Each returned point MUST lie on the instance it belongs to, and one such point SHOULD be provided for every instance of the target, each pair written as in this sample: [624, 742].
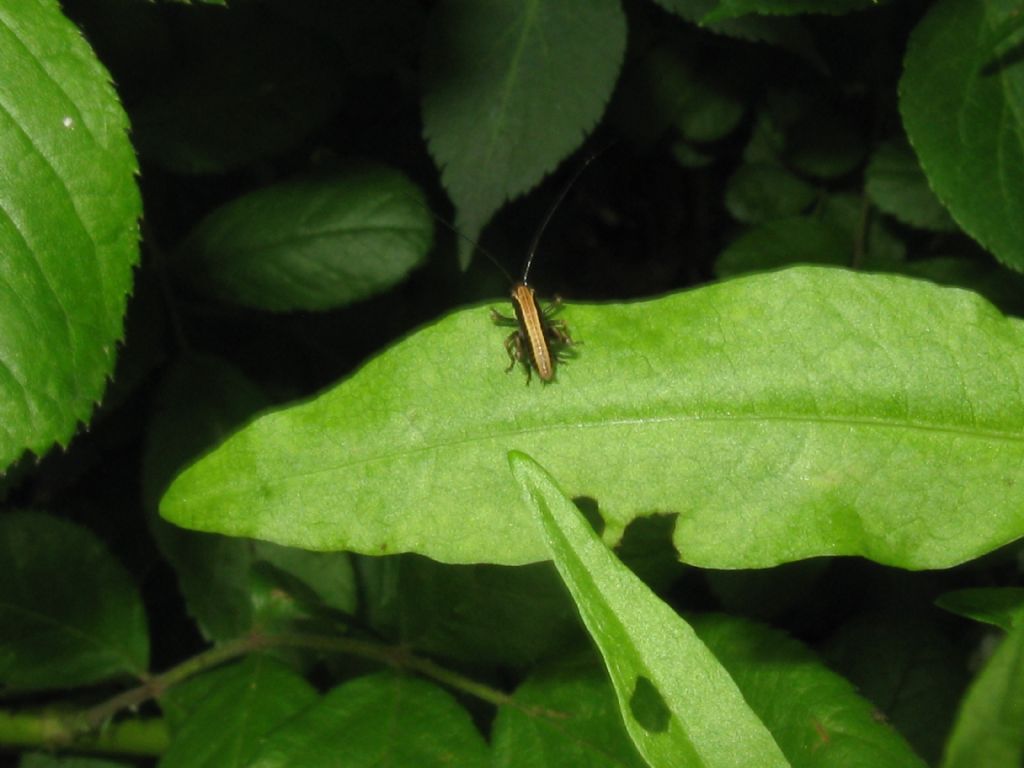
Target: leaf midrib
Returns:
[844, 421]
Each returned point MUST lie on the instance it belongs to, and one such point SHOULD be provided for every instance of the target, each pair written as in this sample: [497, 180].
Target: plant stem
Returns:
[91, 730]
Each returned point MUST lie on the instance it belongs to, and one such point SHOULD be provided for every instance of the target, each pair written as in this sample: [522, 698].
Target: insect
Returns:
[539, 341]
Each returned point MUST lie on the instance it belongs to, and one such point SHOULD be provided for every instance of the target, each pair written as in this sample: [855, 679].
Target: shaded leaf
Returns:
[312, 244]
[907, 666]
[897, 185]
[759, 192]
[227, 101]
[382, 719]
[730, 9]
[68, 228]
[965, 120]
[814, 714]
[512, 87]
[566, 716]
[987, 729]
[1000, 606]
[69, 613]
[220, 718]
[679, 704]
[852, 413]
[480, 614]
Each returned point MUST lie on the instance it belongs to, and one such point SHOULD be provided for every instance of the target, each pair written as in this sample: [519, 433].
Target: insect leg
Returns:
[499, 319]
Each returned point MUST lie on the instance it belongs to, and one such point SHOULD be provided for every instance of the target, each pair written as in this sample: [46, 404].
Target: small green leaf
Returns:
[851, 413]
[220, 719]
[785, 33]
[964, 114]
[1002, 607]
[908, 666]
[382, 719]
[200, 400]
[731, 9]
[512, 87]
[814, 714]
[988, 727]
[312, 244]
[69, 613]
[782, 243]
[759, 192]
[897, 185]
[679, 704]
[68, 228]
[566, 716]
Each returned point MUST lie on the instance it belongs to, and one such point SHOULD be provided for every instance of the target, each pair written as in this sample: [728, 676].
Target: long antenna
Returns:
[551, 212]
[467, 238]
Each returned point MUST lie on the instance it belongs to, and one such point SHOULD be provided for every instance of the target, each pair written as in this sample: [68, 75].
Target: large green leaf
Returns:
[68, 228]
[963, 108]
[382, 719]
[316, 243]
[511, 88]
[811, 411]
[679, 704]
[69, 613]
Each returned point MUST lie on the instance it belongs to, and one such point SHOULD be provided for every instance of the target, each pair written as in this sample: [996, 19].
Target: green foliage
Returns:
[337, 239]
[69, 613]
[672, 691]
[493, 69]
[298, 483]
[963, 107]
[801, 379]
[68, 211]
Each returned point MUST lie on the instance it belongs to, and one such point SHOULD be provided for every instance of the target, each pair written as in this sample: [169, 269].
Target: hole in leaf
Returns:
[587, 505]
[648, 707]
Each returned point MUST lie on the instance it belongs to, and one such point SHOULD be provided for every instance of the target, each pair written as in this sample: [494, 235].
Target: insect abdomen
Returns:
[531, 325]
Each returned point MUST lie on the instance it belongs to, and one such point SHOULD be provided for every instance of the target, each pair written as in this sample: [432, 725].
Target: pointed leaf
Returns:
[963, 109]
[805, 412]
[566, 716]
[512, 87]
[68, 228]
[679, 704]
[69, 613]
[1002, 607]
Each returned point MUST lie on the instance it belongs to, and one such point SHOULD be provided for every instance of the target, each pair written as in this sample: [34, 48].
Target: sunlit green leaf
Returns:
[850, 413]
[68, 228]
[680, 706]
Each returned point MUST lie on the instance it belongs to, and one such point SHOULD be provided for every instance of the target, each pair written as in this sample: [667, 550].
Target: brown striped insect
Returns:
[539, 341]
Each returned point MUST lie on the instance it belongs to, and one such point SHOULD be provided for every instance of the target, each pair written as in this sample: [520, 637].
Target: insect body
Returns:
[538, 340]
